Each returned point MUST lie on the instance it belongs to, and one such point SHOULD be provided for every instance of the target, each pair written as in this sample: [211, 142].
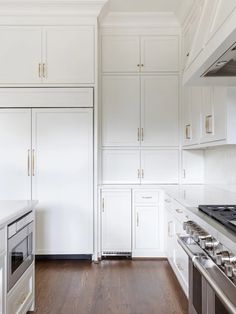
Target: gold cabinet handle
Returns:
[207, 124]
[39, 70]
[187, 132]
[28, 163]
[138, 134]
[103, 205]
[138, 65]
[142, 134]
[33, 163]
[142, 65]
[179, 211]
[44, 70]
[142, 173]
[137, 220]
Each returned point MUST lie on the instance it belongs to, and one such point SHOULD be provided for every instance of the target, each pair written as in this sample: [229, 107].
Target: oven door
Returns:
[20, 254]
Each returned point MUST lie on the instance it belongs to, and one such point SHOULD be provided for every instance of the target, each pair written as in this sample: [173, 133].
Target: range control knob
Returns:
[209, 243]
[230, 269]
[202, 235]
[225, 257]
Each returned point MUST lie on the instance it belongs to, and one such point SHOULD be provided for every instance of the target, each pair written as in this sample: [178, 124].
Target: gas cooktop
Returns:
[225, 214]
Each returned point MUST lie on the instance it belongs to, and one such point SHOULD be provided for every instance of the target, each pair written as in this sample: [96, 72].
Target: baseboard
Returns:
[86, 257]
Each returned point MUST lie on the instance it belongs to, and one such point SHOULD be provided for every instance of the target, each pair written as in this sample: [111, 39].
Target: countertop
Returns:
[12, 210]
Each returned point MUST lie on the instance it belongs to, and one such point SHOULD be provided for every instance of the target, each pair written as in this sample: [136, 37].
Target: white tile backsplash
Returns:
[220, 166]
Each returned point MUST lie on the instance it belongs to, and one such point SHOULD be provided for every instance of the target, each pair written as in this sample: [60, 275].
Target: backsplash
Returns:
[220, 166]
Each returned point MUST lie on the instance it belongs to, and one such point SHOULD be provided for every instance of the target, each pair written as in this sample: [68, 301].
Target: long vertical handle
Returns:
[137, 220]
[39, 70]
[138, 134]
[44, 70]
[103, 205]
[142, 134]
[33, 163]
[28, 163]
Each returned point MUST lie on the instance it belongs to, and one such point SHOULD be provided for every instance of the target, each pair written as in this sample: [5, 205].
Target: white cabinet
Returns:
[159, 117]
[133, 54]
[132, 166]
[120, 53]
[20, 55]
[69, 55]
[62, 179]
[2, 283]
[120, 111]
[169, 236]
[146, 228]
[15, 143]
[121, 166]
[50, 55]
[159, 54]
[191, 113]
[116, 221]
[221, 12]
[159, 166]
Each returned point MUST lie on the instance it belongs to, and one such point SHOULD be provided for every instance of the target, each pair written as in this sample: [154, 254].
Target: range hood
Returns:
[225, 66]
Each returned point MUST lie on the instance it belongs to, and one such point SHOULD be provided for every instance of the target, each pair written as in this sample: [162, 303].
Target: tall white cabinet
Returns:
[51, 156]
[139, 108]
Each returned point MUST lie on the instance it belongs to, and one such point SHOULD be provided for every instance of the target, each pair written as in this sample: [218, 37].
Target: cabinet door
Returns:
[159, 111]
[146, 228]
[121, 166]
[160, 166]
[207, 115]
[20, 55]
[121, 111]
[169, 236]
[196, 100]
[69, 55]
[186, 116]
[15, 143]
[2, 284]
[220, 113]
[63, 180]
[116, 221]
[120, 53]
[222, 11]
[159, 53]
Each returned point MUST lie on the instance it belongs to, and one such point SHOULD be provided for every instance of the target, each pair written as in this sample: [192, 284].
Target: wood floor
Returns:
[111, 287]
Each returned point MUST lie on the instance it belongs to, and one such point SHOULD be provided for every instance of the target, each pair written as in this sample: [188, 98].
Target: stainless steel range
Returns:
[212, 272]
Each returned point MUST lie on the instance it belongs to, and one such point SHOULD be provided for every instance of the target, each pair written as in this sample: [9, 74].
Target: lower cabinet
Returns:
[2, 283]
[116, 222]
[175, 215]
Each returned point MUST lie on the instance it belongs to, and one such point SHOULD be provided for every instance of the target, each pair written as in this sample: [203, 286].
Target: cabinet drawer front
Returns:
[179, 212]
[2, 240]
[21, 295]
[146, 197]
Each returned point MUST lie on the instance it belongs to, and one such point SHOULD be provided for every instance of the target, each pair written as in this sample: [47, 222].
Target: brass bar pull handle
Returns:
[208, 124]
[142, 134]
[138, 134]
[187, 132]
[44, 70]
[39, 70]
[137, 220]
[103, 205]
[33, 163]
[28, 163]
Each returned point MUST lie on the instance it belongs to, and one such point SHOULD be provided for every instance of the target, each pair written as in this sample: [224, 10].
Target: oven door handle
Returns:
[219, 291]
[185, 247]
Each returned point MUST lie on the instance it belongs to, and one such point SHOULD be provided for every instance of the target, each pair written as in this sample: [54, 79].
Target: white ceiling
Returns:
[144, 5]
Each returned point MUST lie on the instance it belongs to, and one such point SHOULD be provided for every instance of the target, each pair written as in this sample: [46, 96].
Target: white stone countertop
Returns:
[12, 210]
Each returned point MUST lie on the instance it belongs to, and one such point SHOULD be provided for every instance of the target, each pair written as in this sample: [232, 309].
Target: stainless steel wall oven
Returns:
[20, 248]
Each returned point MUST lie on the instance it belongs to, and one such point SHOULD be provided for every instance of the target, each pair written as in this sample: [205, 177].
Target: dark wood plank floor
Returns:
[111, 287]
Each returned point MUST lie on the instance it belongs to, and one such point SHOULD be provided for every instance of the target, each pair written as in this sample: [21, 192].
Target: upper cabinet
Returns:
[159, 53]
[20, 55]
[47, 55]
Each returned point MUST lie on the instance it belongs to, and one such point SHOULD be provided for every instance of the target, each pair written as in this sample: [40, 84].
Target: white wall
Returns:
[220, 166]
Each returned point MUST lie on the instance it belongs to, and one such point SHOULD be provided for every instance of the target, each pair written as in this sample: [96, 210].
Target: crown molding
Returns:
[51, 7]
[137, 19]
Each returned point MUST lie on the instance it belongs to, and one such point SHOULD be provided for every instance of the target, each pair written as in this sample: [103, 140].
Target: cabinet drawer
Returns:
[20, 297]
[141, 197]
[2, 240]
[179, 212]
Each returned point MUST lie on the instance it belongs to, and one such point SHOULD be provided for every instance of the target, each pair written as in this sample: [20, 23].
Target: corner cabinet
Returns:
[47, 55]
